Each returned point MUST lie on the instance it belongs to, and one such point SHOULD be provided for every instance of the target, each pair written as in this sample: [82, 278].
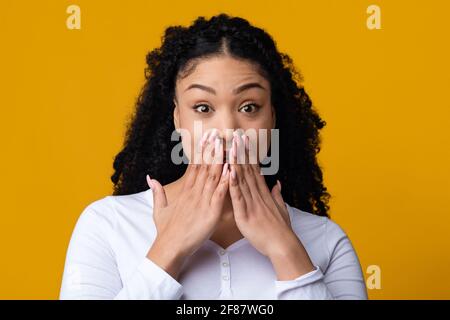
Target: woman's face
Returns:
[226, 94]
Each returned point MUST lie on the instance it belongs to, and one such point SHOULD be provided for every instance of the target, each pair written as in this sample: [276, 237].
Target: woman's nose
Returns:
[225, 128]
[226, 136]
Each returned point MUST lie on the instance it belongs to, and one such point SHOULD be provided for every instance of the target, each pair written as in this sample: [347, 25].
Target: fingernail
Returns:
[204, 139]
[279, 184]
[217, 142]
[233, 173]
[153, 184]
[213, 135]
[245, 138]
[149, 181]
[201, 142]
[236, 135]
[216, 147]
[240, 156]
[236, 141]
[233, 148]
[225, 168]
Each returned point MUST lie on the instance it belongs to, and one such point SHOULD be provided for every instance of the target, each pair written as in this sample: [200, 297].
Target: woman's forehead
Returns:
[221, 72]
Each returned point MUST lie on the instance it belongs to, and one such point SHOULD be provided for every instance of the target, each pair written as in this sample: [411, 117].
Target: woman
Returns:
[217, 228]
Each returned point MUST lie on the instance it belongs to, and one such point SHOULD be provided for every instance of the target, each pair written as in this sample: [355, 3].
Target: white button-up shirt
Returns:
[106, 259]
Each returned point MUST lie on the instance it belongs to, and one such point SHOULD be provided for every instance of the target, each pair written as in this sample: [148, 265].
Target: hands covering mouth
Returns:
[260, 213]
[214, 145]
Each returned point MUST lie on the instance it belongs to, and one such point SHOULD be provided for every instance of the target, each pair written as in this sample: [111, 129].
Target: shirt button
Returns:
[225, 278]
[225, 264]
[222, 252]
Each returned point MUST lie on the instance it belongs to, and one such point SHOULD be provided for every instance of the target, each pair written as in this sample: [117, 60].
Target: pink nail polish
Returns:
[217, 142]
[212, 136]
[233, 148]
[202, 142]
[237, 138]
[233, 173]
[206, 137]
[225, 168]
[245, 141]
[149, 182]
[216, 148]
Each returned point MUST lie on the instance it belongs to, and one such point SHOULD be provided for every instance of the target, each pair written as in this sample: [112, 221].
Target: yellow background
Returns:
[66, 94]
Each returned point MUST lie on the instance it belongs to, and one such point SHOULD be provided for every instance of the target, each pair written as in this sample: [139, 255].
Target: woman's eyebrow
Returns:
[235, 91]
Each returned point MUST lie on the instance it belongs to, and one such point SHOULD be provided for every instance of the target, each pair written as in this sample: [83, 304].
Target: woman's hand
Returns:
[185, 224]
[262, 216]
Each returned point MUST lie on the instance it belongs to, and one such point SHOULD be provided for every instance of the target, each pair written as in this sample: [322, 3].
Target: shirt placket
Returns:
[225, 274]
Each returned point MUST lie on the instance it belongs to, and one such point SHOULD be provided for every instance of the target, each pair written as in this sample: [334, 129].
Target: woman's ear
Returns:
[176, 112]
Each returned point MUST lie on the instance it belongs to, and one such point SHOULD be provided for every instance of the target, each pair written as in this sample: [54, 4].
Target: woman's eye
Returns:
[201, 108]
[251, 107]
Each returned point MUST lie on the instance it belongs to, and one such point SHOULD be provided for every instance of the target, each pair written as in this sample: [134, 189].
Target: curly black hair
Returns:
[147, 146]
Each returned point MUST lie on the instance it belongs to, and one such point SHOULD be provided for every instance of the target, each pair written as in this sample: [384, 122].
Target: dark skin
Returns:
[224, 109]
[224, 207]
[258, 213]
[227, 231]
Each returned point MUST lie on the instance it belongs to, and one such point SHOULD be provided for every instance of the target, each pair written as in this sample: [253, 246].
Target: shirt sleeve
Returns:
[91, 270]
[342, 279]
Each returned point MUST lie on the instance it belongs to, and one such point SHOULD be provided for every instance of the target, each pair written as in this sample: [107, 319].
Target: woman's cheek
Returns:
[188, 145]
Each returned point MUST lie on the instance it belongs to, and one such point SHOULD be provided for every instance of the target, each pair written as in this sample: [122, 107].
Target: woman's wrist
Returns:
[291, 261]
[166, 257]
